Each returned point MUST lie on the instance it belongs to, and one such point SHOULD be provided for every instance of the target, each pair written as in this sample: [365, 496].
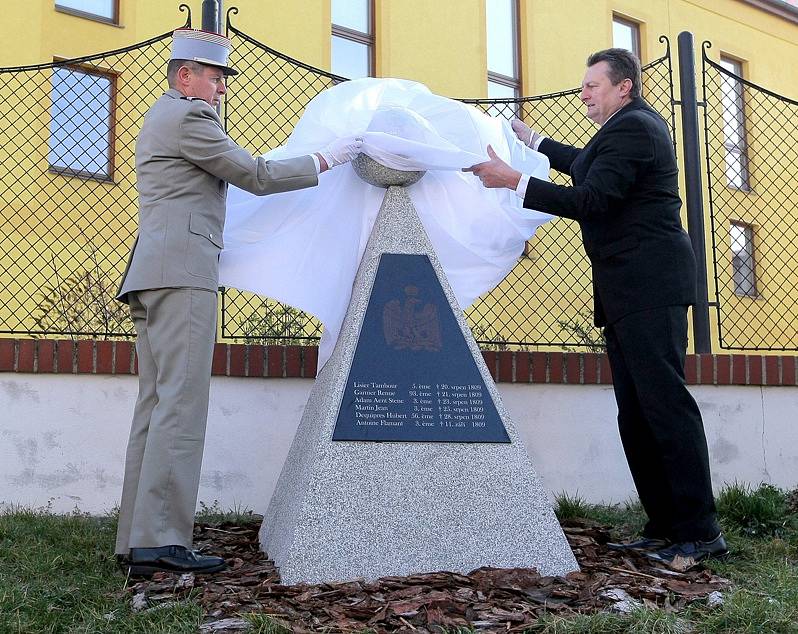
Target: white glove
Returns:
[525, 134]
[341, 150]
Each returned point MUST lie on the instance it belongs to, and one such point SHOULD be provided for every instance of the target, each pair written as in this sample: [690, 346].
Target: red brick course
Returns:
[310, 361]
[219, 362]
[606, 372]
[85, 356]
[104, 356]
[706, 369]
[539, 363]
[788, 370]
[238, 361]
[591, 368]
[256, 361]
[66, 357]
[556, 374]
[522, 367]
[506, 366]
[7, 350]
[123, 357]
[772, 371]
[293, 361]
[45, 356]
[48, 356]
[573, 369]
[26, 355]
[274, 361]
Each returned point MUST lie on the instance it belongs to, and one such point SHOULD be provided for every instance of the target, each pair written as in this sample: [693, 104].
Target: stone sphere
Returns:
[378, 175]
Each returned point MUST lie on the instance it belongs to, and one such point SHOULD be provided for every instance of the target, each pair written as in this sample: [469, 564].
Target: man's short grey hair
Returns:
[623, 65]
[174, 65]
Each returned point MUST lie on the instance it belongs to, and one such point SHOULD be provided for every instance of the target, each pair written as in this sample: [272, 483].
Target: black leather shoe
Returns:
[697, 551]
[644, 544]
[143, 562]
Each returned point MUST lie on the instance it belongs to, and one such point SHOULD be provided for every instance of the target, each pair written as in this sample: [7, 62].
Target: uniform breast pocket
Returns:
[202, 250]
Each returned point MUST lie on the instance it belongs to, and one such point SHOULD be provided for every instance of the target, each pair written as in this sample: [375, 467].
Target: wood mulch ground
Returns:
[487, 599]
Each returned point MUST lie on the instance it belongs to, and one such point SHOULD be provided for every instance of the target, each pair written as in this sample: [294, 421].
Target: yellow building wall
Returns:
[442, 44]
[768, 48]
[439, 43]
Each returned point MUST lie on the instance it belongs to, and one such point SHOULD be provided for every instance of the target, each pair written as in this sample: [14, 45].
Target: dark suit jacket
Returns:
[625, 195]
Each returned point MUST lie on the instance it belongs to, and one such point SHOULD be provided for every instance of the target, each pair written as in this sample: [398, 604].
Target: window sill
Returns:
[89, 16]
[743, 190]
[56, 170]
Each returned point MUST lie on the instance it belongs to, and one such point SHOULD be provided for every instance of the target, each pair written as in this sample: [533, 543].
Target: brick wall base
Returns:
[64, 356]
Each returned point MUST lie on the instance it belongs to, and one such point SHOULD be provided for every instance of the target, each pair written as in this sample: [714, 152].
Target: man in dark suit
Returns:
[626, 200]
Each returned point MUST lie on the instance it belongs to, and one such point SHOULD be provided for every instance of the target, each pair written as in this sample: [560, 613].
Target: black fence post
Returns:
[212, 16]
[693, 190]
[212, 21]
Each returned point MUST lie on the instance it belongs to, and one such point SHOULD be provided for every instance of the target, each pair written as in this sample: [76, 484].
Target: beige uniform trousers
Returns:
[176, 329]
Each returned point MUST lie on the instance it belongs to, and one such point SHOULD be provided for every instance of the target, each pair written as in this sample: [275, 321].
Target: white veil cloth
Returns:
[304, 247]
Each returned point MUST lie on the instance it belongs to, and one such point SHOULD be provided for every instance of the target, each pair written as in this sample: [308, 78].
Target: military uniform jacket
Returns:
[184, 161]
[625, 196]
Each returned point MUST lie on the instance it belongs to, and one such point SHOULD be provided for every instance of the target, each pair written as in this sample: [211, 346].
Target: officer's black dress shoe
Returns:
[644, 544]
[697, 551]
[143, 562]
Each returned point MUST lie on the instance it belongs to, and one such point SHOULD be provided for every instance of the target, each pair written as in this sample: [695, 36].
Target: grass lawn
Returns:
[57, 574]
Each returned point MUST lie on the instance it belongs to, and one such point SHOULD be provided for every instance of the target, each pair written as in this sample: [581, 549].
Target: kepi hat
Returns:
[203, 47]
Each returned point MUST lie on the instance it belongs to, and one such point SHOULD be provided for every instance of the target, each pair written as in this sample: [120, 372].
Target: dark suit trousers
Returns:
[660, 424]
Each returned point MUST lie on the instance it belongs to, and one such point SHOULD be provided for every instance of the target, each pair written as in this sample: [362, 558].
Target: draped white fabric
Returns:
[304, 247]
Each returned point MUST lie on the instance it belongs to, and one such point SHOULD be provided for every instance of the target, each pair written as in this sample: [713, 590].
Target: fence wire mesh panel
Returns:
[545, 300]
[68, 203]
[751, 137]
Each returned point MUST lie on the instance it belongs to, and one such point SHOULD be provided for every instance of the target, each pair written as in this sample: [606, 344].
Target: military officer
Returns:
[184, 161]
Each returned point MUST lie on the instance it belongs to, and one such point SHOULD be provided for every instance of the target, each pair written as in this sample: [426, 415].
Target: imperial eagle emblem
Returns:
[410, 326]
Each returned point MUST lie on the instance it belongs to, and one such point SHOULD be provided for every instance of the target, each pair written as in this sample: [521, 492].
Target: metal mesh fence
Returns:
[751, 137]
[68, 201]
[545, 300]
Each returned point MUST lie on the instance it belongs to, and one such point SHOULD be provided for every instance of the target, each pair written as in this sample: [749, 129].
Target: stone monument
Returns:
[405, 459]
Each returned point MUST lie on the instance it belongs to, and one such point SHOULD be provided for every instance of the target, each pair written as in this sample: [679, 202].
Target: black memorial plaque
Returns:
[413, 378]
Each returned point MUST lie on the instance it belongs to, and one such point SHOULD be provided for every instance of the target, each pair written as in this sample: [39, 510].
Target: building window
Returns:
[82, 122]
[734, 140]
[626, 34]
[352, 38]
[104, 10]
[504, 69]
[743, 270]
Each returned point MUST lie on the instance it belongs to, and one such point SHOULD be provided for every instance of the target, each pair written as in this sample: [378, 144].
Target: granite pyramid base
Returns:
[359, 509]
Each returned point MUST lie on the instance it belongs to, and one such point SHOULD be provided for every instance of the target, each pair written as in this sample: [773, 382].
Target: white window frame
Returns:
[510, 81]
[62, 7]
[743, 259]
[634, 27]
[360, 37]
[65, 145]
[733, 123]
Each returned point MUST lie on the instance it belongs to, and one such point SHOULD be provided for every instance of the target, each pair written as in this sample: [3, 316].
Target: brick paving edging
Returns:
[64, 356]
